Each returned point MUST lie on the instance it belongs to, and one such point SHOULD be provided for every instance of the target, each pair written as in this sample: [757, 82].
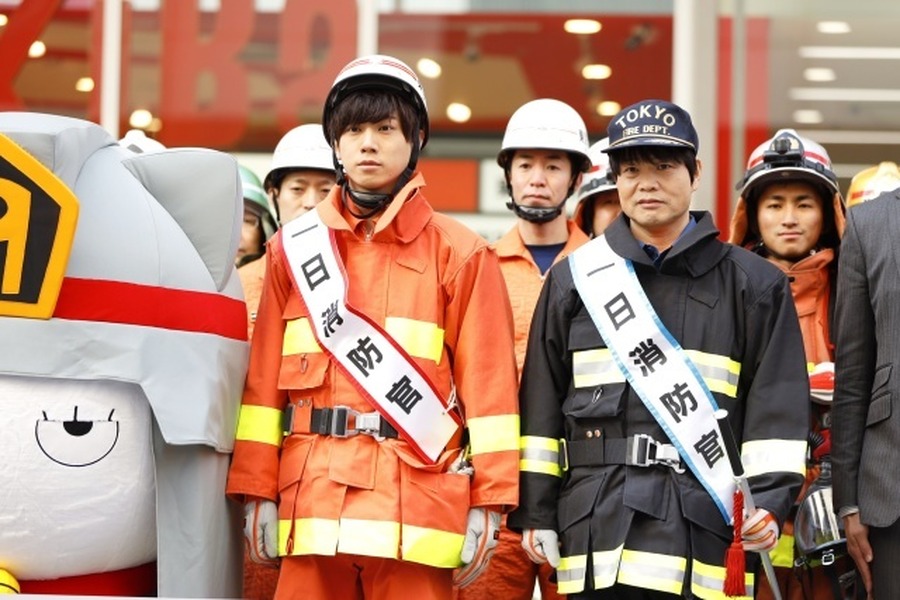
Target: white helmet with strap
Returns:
[384, 73]
[872, 182]
[303, 147]
[545, 124]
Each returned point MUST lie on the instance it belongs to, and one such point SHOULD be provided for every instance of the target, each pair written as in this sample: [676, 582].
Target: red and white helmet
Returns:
[872, 182]
[377, 71]
[788, 155]
[547, 124]
[821, 383]
[598, 178]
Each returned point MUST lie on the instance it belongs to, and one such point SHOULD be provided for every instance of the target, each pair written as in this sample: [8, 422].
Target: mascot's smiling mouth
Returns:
[76, 443]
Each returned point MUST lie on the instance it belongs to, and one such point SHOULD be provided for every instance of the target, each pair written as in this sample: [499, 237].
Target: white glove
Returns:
[760, 531]
[541, 546]
[482, 535]
[261, 531]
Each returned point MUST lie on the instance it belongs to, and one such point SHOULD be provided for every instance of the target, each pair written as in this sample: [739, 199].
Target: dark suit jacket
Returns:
[866, 426]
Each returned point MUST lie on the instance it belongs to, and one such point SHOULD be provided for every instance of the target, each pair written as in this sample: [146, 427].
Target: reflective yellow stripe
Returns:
[311, 536]
[299, 338]
[783, 553]
[774, 456]
[651, 570]
[8, 583]
[259, 424]
[597, 367]
[708, 581]
[606, 567]
[432, 546]
[493, 434]
[419, 338]
[720, 373]
[368, 537]
[591, 368]
[570, 574]
[539, 455]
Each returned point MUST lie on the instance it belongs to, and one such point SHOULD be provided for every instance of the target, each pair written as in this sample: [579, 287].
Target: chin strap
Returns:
[372, 202]
[537, 214]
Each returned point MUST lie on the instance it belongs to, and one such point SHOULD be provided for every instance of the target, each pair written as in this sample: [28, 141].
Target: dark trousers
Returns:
[622, 592]
[885, 542]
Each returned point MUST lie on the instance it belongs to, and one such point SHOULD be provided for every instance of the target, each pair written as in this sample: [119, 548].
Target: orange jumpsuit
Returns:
[511, 574]
[251, 276]
[436, 288]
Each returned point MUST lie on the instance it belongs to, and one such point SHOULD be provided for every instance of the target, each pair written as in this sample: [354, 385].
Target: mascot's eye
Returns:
[74, 442]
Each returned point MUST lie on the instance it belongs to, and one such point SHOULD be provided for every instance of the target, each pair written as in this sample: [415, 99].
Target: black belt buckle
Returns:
[563, 457]
[287, 420]
[340, 422]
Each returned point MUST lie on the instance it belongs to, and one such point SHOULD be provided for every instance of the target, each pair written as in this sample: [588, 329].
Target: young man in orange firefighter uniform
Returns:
[543, 156]
[380, 406]
[791, 212]
[638, 340]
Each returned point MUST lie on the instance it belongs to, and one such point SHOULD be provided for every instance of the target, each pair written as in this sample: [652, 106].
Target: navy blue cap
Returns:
[652, 123]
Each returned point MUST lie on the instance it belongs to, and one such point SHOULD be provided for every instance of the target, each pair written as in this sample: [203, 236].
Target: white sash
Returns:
[383, 372]
[655, 365]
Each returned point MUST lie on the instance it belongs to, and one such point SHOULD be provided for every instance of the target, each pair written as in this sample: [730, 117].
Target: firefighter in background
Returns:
[259, 219]
[543, 156]
[377, 442]
[622, 460]
[598, 199]
[872, 182]
[301, 175]
[122, 358]
[791, 212]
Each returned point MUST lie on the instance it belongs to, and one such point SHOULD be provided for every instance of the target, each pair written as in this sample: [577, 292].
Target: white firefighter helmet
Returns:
[547, 124]
[788, 155]
[377, 71]
[598, 178]
[872, 182]
[303, 147]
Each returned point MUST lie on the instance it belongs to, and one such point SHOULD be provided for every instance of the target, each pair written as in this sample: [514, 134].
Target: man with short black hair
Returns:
[637, 340]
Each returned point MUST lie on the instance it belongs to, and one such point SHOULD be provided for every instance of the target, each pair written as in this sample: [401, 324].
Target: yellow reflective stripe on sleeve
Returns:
[782, 554]
[774, 456]
[708, 581]
[591, 368]
[651, 570]
[570, 574]
[605, 566]
[539, 455]
[431, 547]
[493, 434]
[299, 338]
[259, 424]
[720, 373]
[419, 338]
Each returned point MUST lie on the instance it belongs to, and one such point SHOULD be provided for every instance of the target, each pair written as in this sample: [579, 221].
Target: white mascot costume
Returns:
[122, 358]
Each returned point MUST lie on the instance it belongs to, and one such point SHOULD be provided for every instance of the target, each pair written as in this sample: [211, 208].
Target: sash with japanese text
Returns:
[653, 362]
[382, 371]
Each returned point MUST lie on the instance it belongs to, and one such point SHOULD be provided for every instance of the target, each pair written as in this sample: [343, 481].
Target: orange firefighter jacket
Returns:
[251, 276]
[436, 288]
[524, 280]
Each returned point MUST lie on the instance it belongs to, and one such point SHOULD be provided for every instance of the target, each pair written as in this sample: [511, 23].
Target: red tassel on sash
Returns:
[735, 561]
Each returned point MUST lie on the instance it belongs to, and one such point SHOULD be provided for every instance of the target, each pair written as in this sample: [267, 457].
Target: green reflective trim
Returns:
[259, 424]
